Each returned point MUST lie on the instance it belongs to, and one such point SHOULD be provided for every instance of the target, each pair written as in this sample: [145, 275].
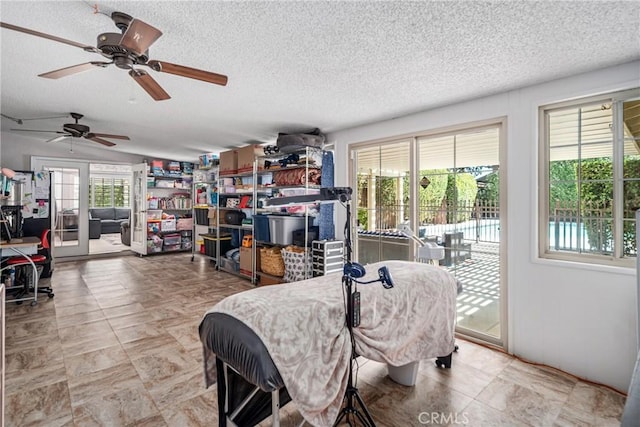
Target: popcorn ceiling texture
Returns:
[302, 64]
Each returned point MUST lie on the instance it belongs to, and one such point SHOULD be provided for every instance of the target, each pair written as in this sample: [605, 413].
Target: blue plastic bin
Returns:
[261, 228]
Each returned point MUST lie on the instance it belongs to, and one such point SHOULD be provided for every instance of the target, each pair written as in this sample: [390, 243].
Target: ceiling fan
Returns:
[76, 130]
[126, 50]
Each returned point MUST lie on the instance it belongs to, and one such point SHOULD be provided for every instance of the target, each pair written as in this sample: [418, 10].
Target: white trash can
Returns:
[405, 374]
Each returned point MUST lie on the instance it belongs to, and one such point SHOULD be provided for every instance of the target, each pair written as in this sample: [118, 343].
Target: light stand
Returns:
[353, 407]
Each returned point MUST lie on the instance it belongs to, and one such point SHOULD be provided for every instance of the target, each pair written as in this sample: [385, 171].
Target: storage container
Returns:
[154, 245]
[261, 228]
[172, 239]
[281, 228]
[154, 214]
[169, 248]
[201, 216]
[297, 265]
[271, 261]
[210, 242]
[168, 225]
[184, 224]
[234, 217]
[299, 236]
[328, 257]
[229, 162]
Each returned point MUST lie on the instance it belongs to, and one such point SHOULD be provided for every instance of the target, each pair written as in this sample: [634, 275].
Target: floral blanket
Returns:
[302, 324]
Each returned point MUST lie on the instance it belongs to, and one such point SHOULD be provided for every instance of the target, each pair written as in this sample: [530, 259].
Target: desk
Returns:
[24, 246]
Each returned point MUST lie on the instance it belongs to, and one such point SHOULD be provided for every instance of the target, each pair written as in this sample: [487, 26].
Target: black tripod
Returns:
[352, 396]
[353, 405]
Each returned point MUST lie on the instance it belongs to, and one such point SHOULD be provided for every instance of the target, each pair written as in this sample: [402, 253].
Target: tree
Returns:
[462, 189]
[490, 191]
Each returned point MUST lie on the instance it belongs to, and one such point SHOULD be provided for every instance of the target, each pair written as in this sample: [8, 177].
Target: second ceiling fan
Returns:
[77, 130]
[126, 50]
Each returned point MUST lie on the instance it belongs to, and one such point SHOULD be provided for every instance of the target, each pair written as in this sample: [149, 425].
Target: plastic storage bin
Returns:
[281, 228]
[172, 239]
[261, 230]
[210, 242]
[202, 216]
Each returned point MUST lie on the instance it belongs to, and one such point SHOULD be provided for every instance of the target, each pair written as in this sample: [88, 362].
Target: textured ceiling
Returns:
[297, 65]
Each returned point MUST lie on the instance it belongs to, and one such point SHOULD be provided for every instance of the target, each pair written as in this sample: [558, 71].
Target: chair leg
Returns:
[41, 289]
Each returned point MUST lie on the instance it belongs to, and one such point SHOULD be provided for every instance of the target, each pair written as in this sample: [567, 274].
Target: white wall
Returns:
[16, 151]
[577, 318]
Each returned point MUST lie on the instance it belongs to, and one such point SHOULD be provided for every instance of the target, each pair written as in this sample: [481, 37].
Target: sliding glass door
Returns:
[444, 188]
[382, 202]
[459, 206]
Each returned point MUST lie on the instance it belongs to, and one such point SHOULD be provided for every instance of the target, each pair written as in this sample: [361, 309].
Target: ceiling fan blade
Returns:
[33, 130]
[192, 73]
[149, 84]
[100, 141]
[107, 135]
[74, 69]
[48, 36]
[139, 36]
[59, 138]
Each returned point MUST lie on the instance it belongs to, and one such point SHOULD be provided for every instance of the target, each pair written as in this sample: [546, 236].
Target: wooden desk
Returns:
[23, 246]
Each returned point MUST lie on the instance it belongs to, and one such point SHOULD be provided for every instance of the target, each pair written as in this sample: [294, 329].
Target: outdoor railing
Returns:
[478, 221]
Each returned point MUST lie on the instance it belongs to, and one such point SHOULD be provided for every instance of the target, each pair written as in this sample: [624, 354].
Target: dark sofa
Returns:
[110, 218]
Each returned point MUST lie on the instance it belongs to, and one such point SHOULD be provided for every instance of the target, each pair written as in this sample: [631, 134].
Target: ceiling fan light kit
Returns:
[127, 50]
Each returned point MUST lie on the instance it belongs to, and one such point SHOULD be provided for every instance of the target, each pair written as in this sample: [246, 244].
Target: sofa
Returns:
[110, 218]
[125, 233]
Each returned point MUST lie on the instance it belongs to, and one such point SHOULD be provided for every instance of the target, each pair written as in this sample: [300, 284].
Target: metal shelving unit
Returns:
[204, 179]
[273, 190]
[151, 233]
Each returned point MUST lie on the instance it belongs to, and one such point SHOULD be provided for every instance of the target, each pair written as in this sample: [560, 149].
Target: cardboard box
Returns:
[229, 162]
[246, 157]
[246, 261]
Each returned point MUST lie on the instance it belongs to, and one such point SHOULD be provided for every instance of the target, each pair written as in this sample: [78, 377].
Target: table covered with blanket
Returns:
[302, 326]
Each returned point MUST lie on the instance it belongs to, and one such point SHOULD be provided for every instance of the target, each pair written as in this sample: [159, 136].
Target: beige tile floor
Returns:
[118, 346]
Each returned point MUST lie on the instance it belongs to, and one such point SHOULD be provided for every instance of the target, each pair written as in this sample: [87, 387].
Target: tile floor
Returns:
[118, 346]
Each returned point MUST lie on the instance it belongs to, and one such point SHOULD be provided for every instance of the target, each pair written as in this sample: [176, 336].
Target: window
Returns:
[590, 178]
[109, 185]
[109, 192]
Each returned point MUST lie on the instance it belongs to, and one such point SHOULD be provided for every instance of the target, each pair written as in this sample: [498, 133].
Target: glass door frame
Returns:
[138, 216]
[82, 166]
[501, 124]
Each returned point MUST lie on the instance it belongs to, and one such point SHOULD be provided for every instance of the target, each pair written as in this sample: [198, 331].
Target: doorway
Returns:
[70, 188]
[445, 186]
[85, 194]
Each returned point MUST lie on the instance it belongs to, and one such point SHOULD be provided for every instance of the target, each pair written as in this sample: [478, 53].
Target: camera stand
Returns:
[353, 405]
[353, 409]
